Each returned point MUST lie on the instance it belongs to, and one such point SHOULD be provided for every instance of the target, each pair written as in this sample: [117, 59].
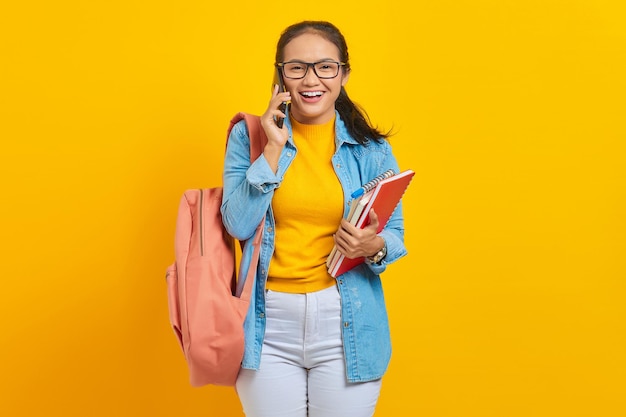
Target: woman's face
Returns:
[312, 98]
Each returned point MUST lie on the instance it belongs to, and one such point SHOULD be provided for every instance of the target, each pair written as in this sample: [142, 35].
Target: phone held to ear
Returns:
[278, 79]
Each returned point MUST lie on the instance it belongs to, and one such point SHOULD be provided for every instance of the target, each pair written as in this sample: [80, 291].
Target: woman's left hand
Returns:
[354, 242]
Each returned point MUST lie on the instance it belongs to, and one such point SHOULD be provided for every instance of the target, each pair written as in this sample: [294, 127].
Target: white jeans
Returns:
[302, 371]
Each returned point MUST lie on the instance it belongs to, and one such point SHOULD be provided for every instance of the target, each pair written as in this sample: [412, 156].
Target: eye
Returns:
[326, 67]
[295, 67]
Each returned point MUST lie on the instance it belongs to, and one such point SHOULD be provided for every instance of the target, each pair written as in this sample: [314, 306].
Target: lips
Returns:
[311, 96]
[311, 93]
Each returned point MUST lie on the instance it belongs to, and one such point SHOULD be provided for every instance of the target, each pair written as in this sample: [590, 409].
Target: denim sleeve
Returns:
[393, 233]
[248, 186]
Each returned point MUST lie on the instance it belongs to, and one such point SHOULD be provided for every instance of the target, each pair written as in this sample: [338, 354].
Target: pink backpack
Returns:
[206, 314]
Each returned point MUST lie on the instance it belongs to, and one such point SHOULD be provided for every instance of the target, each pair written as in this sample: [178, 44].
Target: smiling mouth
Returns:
[311, 94]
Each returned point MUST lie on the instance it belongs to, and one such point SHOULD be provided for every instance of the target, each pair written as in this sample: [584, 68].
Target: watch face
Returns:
[379, 256]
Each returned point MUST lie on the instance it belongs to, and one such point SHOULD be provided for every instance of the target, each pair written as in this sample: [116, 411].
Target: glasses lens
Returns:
[294, 69]
[327, 69]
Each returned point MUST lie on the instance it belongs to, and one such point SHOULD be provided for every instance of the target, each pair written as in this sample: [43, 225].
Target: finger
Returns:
[373, 219]
[278, 97]
[342, 241]
[348, 228]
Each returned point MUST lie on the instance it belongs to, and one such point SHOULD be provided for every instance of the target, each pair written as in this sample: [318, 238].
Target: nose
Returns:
[310, 77]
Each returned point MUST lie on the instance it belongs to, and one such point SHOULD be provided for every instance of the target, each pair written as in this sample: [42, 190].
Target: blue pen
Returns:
[371, 184]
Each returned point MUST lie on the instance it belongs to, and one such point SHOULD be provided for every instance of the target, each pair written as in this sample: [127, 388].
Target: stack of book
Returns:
[383, 195]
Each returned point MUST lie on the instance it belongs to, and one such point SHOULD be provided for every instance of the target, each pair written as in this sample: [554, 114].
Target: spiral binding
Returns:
[370, 185]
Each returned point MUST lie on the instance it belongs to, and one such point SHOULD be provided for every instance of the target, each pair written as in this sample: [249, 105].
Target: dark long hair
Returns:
[354, 116]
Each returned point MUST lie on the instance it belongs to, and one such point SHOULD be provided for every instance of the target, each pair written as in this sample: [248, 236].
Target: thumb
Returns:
[373, 220]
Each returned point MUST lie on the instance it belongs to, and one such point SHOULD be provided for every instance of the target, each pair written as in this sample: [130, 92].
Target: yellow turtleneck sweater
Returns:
[308, 207]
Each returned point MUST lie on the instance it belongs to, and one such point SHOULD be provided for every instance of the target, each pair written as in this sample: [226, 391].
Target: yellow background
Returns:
[511, 302]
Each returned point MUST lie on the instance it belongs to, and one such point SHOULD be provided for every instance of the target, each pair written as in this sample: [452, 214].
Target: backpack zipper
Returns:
[201, 226]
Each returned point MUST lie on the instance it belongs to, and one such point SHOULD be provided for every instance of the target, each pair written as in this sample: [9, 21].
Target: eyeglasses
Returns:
[296, 70]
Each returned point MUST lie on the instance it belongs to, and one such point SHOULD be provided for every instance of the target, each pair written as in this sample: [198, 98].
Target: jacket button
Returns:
[346, 324]
[262, 315]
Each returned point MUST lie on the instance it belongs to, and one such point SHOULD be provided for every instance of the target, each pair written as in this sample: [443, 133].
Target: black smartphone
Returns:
[278, 79]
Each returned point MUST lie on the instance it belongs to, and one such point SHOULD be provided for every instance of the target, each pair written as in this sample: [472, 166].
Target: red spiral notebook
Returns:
[383, 198]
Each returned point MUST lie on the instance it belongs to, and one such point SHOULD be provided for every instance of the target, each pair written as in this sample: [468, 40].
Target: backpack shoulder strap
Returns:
[258, 140]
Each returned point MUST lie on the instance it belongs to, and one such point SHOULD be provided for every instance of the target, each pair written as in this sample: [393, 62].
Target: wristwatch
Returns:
[378, 256]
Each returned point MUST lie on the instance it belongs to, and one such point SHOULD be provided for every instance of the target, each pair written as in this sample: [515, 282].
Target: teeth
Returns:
[311, 93]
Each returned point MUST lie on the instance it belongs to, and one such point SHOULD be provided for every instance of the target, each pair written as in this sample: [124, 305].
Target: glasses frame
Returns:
[281, 65]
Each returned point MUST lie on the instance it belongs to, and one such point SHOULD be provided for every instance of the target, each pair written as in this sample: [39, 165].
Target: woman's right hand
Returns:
[276, 137]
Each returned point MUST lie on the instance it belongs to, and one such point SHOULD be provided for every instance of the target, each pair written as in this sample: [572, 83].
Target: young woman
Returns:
[315, 345]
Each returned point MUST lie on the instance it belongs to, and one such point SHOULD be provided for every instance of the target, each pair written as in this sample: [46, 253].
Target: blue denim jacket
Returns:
[248, 191]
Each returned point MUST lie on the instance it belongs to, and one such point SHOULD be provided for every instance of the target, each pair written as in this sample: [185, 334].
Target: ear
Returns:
[345, 75]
